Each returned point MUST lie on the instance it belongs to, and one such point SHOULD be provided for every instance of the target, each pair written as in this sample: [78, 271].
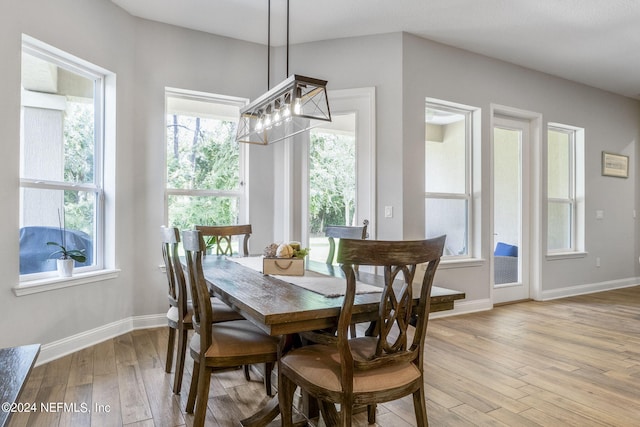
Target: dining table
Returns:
[281, 308]
[16, 364]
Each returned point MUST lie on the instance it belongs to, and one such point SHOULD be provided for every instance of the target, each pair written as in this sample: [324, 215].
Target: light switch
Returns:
[599, 214]
[388, 211]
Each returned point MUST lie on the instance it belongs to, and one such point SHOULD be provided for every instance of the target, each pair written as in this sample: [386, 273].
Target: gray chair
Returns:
[343, 232]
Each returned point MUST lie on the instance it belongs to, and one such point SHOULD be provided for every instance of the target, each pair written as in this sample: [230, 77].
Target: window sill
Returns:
[566, 255]
[460, 263]
[52, 283]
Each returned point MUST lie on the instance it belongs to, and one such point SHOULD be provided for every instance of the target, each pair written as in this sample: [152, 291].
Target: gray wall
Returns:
[148, 56]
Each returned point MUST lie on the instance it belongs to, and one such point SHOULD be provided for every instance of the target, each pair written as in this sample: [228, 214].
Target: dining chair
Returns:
[180, 313]
[371, 369]
[344, 232]
[218, 346]
[222, 236]
[333, 232]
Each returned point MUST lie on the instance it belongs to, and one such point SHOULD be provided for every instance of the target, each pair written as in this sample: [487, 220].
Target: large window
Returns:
[61, 172]
[332, 180]
[449, 176]
[205, 184]
[565, 189]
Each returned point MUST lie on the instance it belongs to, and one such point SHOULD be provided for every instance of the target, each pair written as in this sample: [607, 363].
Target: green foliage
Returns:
[300, 253]
[75, 254]
[79, 206]
[332, 180]
[202, 155]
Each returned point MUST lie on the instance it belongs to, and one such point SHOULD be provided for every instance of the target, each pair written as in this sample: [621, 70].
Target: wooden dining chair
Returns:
[370, 369]
[180, 313]
[221, 345]
[223, 235]
[333, 232]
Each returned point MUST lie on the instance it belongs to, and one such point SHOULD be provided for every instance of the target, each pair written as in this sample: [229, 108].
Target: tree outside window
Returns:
[204, 173]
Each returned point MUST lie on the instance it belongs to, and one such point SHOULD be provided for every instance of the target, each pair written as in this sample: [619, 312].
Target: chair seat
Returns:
[320, 365]
[221, 313]
[235, 339]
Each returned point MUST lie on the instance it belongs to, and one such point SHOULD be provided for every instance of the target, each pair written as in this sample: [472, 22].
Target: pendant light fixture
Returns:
[294, 106]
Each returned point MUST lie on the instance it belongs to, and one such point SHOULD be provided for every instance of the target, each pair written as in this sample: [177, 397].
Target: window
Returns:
[205, 165]
[449, 130]
[332, 180]
[61, 171]
[565, 189]
[338, 169]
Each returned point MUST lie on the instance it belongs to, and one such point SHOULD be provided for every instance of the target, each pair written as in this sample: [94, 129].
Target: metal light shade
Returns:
[292, 107]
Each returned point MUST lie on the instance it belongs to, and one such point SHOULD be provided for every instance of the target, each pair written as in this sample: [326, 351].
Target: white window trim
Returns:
[577, 140]
[472, 184]
[242, 191]
[41, 282]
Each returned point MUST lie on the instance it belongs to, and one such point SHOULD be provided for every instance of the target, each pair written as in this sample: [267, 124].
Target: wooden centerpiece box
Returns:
[283, 266]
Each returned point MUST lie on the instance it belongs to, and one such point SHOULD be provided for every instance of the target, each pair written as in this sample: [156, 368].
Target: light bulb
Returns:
[277, 117]
[297, 107]
[286, 111]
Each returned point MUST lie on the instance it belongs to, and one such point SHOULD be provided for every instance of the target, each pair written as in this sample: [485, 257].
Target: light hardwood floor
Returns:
[568, 362]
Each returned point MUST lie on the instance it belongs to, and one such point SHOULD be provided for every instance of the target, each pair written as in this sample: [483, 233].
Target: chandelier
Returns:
[292, 107]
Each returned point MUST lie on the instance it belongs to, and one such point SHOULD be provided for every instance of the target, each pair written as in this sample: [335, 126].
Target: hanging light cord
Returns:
[268, 45]
[287, 38]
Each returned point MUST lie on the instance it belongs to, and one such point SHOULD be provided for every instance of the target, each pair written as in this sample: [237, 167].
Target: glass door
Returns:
[510, 209]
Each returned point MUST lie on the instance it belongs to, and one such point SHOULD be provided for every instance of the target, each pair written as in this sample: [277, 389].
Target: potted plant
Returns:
[68, 257]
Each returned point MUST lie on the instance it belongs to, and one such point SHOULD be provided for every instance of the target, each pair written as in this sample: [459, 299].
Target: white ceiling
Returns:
[595, 42]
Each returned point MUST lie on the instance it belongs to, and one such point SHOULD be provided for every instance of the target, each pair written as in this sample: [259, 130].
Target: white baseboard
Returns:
[464, 307]
[65, 346]
[588, 288]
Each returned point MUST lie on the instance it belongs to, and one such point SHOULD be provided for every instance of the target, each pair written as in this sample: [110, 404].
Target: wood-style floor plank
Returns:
[568, 362]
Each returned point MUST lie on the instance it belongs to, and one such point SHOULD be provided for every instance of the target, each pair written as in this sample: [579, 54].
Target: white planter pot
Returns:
[65, 267]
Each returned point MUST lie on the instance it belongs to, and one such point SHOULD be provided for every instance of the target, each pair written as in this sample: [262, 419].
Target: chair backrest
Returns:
[223, 235]
[173, 267]
[400, 260]
[194, 248]
[343, 232]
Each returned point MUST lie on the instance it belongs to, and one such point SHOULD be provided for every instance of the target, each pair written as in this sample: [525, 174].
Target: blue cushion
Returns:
[503, 249]
[35, 254]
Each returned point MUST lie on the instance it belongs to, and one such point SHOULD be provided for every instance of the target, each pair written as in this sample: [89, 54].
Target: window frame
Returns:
[576, 196]
[73, 64]
[242, 191]
[471, 194]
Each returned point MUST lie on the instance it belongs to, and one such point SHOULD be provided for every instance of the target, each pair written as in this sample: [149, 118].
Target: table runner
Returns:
[328, 286]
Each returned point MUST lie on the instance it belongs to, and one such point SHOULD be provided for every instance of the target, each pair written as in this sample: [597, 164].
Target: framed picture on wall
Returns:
[615, 165]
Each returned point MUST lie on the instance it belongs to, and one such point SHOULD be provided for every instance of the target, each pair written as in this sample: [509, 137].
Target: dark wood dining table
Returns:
[280, 308]
[16, 364]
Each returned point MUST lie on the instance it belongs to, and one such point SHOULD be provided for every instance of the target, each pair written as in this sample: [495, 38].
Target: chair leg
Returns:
[193, 390]
[329, 413]
[286, 389]
[204, 380]
[371, 413]
[182, 350]
[346, 413]
[352, 330]
[420, 408]
[268, 368]
[246, 373]
[170, 344]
